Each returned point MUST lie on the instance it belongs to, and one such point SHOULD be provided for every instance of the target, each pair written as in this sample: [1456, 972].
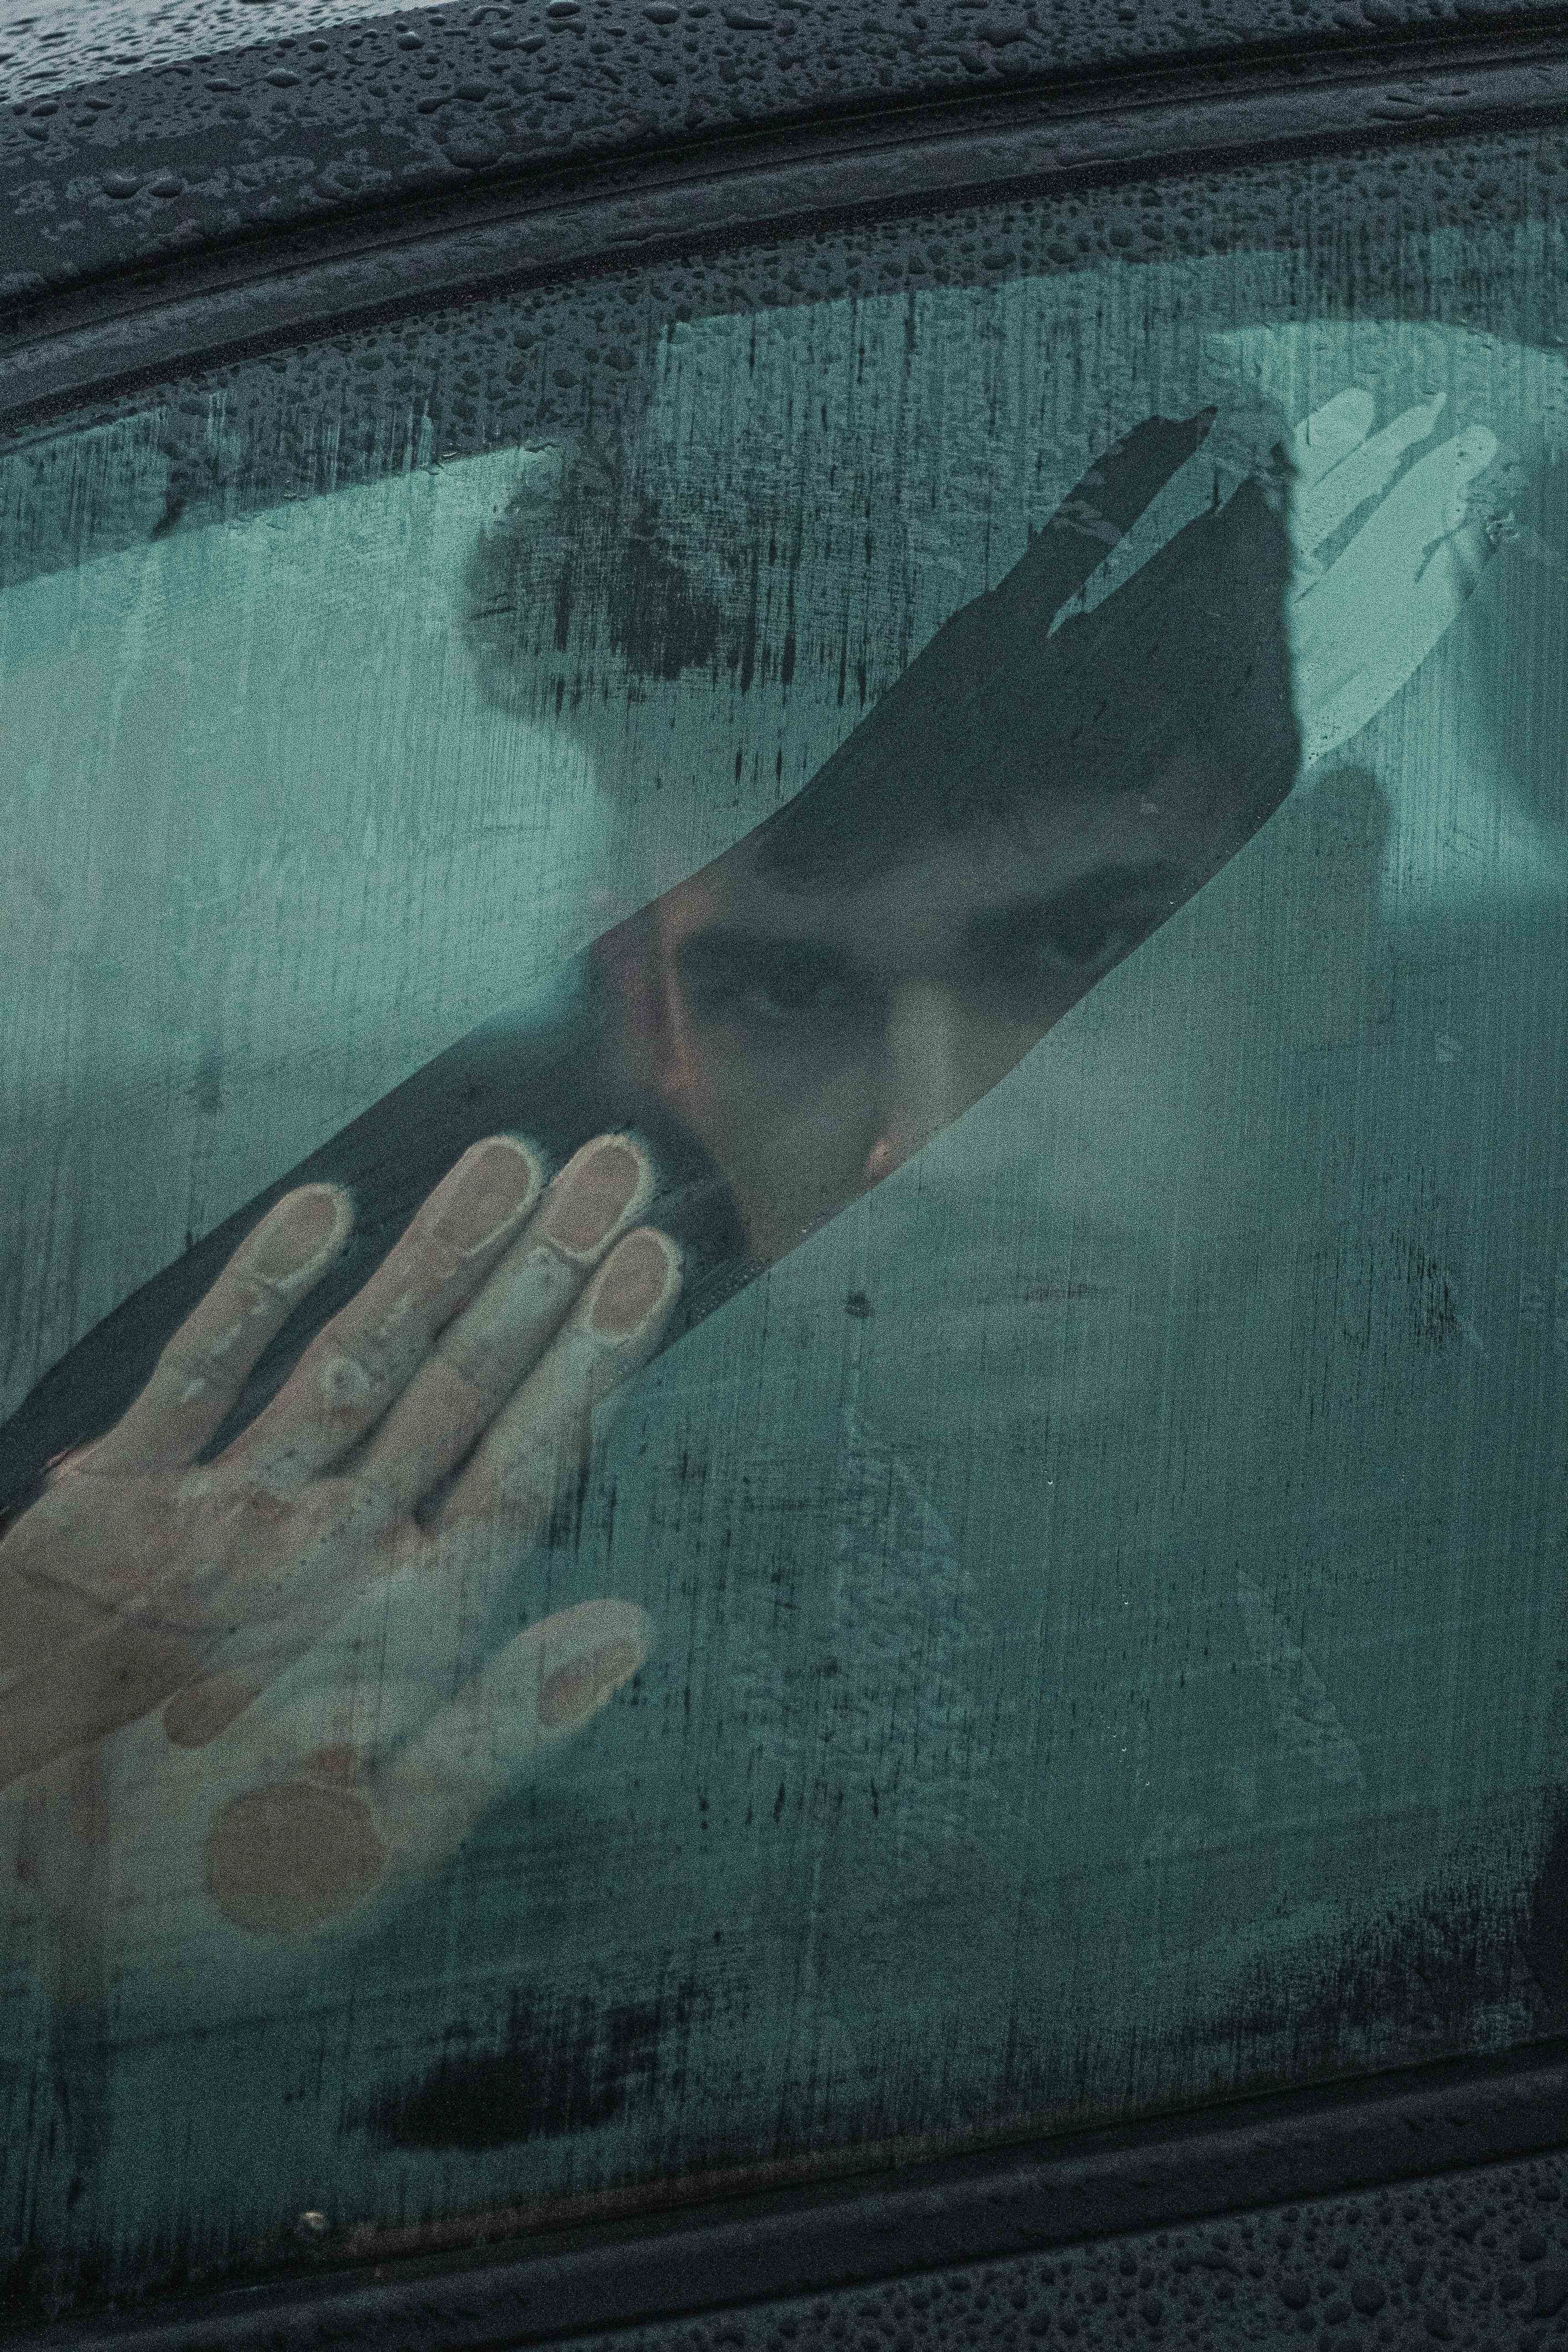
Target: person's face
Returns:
[813, 1038]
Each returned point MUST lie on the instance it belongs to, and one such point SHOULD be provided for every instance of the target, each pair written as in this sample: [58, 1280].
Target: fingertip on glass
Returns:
[571, 1693]
[300, 1233]
[637, 1282]
[493, 1187]
[281, 1861]
[600, 1186]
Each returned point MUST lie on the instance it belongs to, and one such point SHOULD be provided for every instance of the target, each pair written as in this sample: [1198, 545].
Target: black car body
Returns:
[199, 193]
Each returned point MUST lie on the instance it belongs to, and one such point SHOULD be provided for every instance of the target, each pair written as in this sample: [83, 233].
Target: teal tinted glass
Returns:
[786, 1310]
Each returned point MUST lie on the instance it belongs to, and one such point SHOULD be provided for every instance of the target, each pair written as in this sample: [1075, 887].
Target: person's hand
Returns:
[234, 1697]
[1362, 623]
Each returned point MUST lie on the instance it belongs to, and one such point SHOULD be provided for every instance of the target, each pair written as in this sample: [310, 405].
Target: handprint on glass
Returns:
[395, 1404]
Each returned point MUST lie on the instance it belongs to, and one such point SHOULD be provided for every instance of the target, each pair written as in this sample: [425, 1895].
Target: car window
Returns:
[786, 1303]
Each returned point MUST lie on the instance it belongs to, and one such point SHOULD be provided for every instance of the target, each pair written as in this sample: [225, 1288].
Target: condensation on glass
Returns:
[785, 1267]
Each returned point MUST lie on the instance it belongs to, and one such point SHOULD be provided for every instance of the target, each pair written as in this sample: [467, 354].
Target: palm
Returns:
[195, 1746]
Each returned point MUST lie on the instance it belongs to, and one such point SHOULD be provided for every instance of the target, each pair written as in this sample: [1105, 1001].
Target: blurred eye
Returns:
[780, 989]
[1023, 961]
[1071, 945]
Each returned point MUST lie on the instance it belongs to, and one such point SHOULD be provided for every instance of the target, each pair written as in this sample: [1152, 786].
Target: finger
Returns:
[309, 1852]
[1382, 597]
[483, 1355]
[1318, 511]
[1394, 653]
[513, 1480]
[357, 1364]
[1322, 440]
[477, 1361]
[205, 1364]
[202, 1709]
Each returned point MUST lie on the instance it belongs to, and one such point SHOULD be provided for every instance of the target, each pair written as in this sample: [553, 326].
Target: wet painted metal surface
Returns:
[163, 160]
[1433, 1957]
[1428, 2209]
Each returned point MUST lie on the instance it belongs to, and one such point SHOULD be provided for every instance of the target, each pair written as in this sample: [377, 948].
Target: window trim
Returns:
[256, 291]
[710, 2249]
[1458, 2131]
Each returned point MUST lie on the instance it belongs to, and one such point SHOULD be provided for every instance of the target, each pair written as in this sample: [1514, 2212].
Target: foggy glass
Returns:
[1040, 809]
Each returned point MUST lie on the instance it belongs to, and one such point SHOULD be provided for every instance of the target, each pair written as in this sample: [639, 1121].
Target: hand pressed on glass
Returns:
[425, 1432]
[1039, 791]
[1034, 797]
